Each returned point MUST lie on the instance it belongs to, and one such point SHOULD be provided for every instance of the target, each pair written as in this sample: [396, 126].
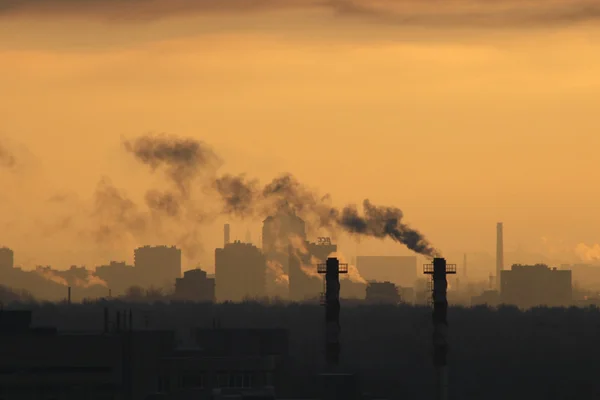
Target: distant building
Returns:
[240, 272]
[489, 298]
[159, 266]
[118, 276]
[195, 286]
[535, 285]
[400, 270]
[7, 258]
[382, 292]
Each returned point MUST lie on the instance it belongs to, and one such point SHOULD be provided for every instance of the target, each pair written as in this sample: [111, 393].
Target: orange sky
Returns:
[460, 128]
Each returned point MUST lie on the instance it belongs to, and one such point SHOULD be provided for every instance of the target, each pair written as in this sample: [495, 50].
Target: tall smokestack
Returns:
[439, 271]
[226, 240]
[332, 270]
[69, 295]
[499, 253]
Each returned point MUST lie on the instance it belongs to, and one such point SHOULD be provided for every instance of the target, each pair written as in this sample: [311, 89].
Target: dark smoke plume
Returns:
[383, 222]
[182, 159]
[185, 159]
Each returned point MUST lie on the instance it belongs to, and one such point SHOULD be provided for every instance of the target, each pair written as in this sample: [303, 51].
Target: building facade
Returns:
[158, 266]
[7, 258]
[240, 272]
[536, 285]
[195, 286]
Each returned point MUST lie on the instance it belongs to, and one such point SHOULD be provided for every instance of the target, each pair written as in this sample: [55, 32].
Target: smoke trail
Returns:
[185, 160]
[588, 253]
[384, 222]
[117, 215]
[275, 270]
[51, 275]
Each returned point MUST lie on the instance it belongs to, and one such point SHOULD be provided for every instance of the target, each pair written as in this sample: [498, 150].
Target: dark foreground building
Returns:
[121, 363]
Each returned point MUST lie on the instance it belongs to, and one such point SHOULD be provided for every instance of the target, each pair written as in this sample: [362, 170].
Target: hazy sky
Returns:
[461, 116]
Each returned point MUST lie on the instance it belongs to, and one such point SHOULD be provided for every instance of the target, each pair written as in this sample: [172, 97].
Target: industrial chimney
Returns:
[226, 234]
[499, 253]
[439, 270]
[331, 300]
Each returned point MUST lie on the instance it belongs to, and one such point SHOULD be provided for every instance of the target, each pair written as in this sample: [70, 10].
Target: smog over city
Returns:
[286, 199]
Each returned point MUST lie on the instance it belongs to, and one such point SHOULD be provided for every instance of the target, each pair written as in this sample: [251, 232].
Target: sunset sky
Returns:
[461, 114]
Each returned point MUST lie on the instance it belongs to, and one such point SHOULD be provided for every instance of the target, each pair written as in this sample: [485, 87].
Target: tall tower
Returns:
[226, 232]
[439, 271]
[499, 253]
[331, 300]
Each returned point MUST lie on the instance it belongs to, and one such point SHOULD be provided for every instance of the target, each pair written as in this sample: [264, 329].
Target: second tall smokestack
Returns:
[499, 253]
[226, 235]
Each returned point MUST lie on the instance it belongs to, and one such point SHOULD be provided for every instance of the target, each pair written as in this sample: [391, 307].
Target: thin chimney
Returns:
[439, 271]
[226, 240]
[332, 270]
[499, 253]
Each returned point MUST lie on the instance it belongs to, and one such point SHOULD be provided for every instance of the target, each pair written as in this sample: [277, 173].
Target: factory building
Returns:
[158, 266]
[382, 292]
[240, 272]
[400, 270]
[195, 286]
[535, 285]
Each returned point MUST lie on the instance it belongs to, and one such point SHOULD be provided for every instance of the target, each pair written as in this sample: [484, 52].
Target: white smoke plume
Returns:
[588, 253]
[51, 275]
[353, 273]
[276, 273]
